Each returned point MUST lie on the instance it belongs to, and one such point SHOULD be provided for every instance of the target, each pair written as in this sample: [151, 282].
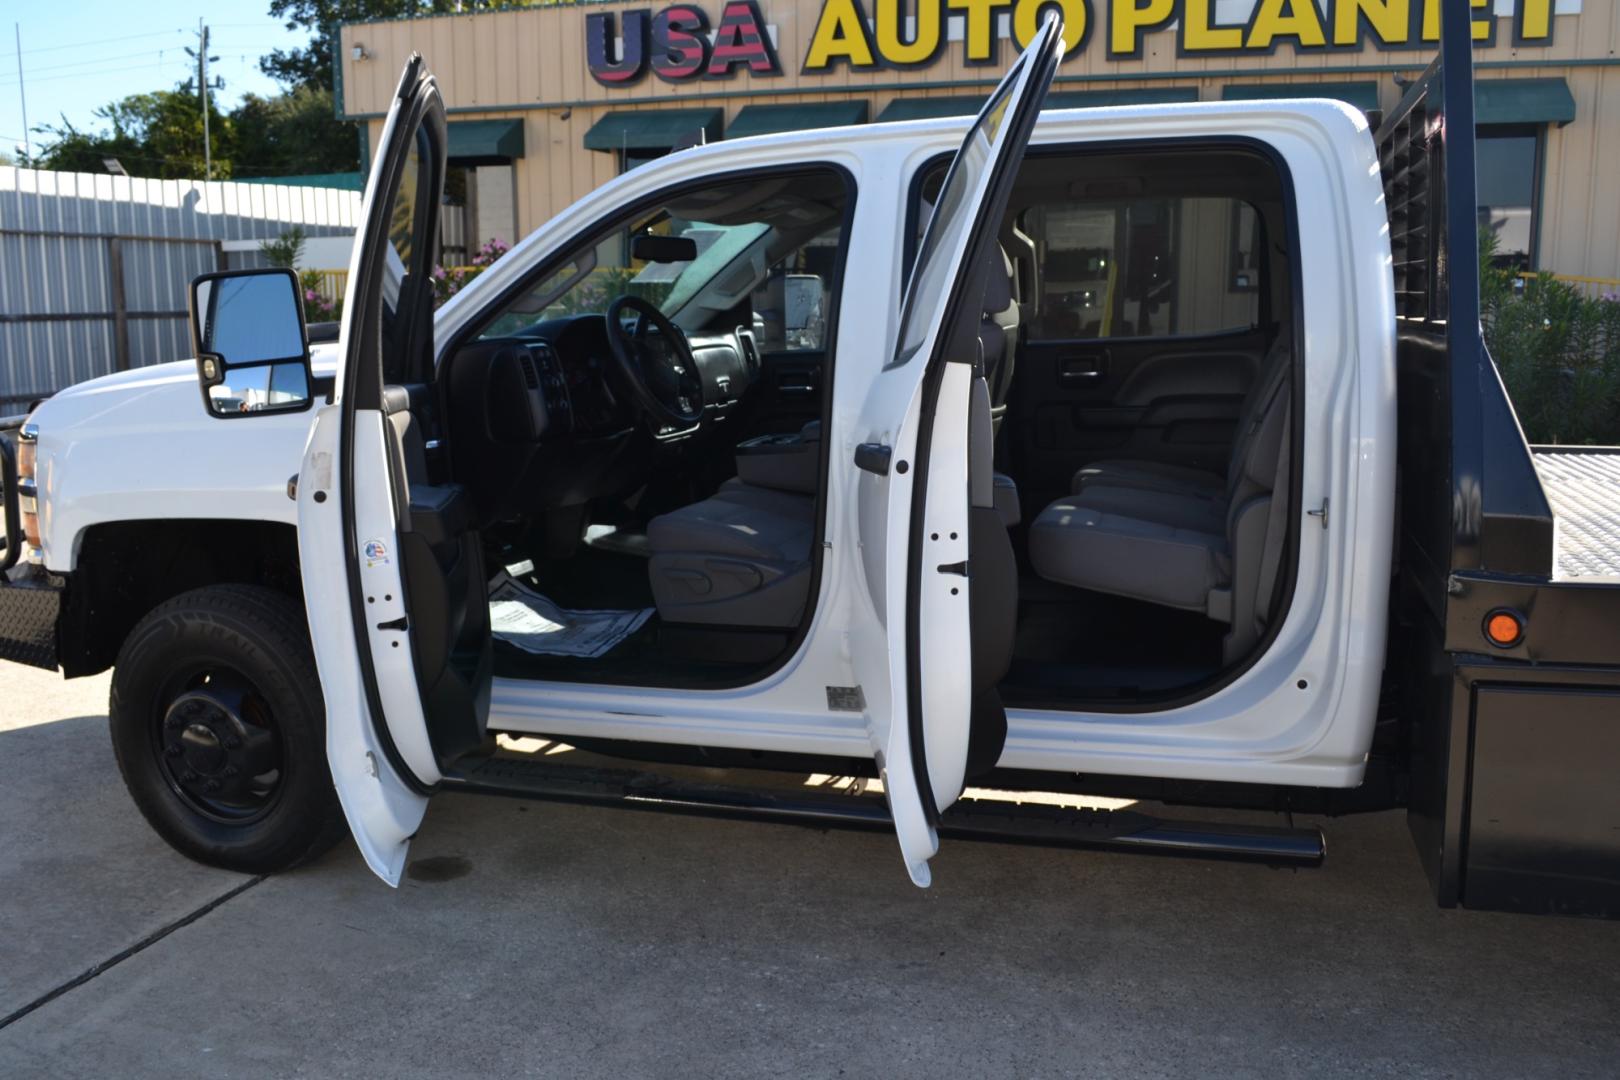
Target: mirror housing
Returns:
[247, 331]
[651, 247]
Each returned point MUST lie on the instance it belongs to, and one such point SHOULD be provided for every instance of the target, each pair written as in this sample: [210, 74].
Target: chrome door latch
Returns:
[1322, 513]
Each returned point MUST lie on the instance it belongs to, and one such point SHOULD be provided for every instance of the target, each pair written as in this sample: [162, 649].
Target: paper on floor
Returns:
[522, 617]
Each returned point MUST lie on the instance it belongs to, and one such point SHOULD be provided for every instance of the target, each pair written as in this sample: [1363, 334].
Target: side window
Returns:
[402, 221]
[407, 260]
[1151, 267]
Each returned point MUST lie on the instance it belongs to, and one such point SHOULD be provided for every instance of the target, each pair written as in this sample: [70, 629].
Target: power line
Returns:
[81, 74]
[10, 77]
[89, 62]
[104, 41]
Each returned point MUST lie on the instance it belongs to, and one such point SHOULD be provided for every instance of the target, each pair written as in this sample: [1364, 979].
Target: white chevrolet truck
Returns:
[1149, 452]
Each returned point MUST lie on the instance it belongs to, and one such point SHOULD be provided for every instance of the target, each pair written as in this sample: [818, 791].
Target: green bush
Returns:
[285, 250]
[1558, 351]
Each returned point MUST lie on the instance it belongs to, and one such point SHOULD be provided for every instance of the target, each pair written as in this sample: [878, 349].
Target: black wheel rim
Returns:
[218, 746]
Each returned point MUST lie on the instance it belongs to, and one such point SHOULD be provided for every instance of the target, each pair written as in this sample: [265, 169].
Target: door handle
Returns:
[873, 457]
[1083, 367]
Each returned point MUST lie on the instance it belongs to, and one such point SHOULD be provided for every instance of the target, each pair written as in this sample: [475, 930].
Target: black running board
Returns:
[969, 819]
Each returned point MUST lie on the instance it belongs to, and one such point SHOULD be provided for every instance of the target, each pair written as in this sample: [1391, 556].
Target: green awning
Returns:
[930, 108]
[1363, 95]
[769, 119]
[348, 181]
[1523, 101]
[1096, 99]
[485, 141]
[654, 129]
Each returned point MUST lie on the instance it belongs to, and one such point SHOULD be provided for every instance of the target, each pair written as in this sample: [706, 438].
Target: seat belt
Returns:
[1271, 552]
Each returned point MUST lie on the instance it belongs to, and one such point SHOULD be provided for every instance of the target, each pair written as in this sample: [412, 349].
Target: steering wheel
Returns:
[662, 375]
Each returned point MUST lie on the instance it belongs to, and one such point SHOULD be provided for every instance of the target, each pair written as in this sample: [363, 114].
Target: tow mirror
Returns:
[247, 328]
[650, 247]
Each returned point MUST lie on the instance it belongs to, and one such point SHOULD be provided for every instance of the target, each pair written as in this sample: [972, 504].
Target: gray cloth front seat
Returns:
[740, 558]
[998, 332]
[998, 343]
[1180, 541]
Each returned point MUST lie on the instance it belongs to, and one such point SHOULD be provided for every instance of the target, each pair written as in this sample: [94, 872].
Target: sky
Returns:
[77, 55]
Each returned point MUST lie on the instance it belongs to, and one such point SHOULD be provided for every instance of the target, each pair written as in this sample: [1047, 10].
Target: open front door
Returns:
[921, 454]
[391, 568]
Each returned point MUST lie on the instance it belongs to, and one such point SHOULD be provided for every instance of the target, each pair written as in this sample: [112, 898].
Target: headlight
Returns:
[27, 489]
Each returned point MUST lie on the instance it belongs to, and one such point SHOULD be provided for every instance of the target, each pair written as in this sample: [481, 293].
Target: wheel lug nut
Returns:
[188, 776]
[231, 770]
[172, 751]
[212, 785]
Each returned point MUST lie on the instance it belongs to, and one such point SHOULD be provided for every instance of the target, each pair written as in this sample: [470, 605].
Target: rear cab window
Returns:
[1160, 267]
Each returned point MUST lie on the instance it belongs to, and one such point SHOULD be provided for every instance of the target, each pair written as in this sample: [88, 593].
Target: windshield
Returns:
[753, 254]
[594, 278]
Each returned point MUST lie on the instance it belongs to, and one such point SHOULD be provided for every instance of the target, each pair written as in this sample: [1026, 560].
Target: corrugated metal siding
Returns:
[59, 231]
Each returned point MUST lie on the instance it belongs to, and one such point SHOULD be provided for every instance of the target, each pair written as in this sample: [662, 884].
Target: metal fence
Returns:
[1593, 288]
[94, 269]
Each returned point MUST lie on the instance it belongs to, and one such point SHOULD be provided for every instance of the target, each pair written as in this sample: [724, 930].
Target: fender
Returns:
[138, 446]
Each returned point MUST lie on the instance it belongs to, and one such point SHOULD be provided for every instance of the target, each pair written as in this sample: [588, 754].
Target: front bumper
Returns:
[28, 615]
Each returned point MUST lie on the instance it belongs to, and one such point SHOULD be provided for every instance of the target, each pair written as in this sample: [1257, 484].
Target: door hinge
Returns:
[1322, 513]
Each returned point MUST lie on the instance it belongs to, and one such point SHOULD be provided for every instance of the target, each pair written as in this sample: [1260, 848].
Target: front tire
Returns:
[220, 731]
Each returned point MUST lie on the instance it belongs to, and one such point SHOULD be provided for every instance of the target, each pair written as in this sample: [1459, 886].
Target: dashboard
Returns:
[555, 386]
[567, 363]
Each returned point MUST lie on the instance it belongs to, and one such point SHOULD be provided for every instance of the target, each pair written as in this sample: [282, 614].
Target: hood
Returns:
[144, 396]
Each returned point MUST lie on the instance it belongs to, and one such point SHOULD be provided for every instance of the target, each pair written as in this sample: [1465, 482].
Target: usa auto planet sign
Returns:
[683, 42]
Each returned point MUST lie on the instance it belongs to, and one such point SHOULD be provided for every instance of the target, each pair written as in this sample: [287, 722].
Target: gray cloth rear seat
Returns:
[1092, 548]
[1185, 479]
[1180, 549]
[1150, 476]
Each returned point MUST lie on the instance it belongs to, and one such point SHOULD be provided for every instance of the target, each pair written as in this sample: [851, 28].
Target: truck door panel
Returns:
[392, 570]
[788, 390]
[1170, 400]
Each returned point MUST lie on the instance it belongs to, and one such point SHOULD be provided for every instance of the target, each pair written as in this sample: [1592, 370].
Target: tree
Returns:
[160, 134]
[312, 65]
[154, 134]
[297, 132]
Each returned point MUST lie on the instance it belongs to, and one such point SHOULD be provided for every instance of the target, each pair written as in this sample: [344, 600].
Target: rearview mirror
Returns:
[247, 327]
[650, 247]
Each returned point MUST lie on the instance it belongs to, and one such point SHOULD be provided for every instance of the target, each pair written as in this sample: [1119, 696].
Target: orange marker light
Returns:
[1504, 628]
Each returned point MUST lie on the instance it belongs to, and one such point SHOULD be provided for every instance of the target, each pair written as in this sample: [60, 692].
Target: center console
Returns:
[786, 462]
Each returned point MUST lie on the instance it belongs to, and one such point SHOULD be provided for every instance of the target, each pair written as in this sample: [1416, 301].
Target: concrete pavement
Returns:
[542, 940]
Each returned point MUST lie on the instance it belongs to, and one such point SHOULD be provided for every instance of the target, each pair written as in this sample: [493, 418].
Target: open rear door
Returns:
[392, 573]
[916, 457]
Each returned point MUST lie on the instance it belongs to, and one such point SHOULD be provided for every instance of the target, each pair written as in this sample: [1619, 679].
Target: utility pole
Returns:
[28, 147]
[201, 53]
